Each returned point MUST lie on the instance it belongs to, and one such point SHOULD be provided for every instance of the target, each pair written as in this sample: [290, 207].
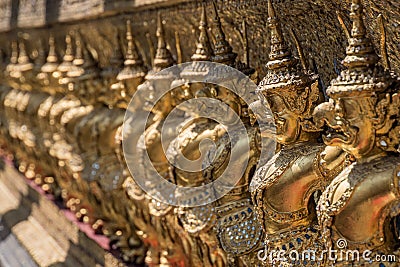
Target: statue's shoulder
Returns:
[268, 174]
[351, 181]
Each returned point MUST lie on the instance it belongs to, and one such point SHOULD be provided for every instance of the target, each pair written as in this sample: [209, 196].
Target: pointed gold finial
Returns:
[297, 87]
[203, 53]
[222, 49]
[271, 10]
[68, 57]
[341, 22]
[129, 39]
[23, 57]
[24, 62]
[14, 52]
[52, 56]
[203, 49]
[363, 75]
[133, 64]
[132, 55]
[14, 58]
[245, 44]
[52, 59]
[299, 51]
[85, 66]
[279, 56]
[78, 59]
[178, 48]
[384, 53]
[360, 52]
[68, 49]
[76, 69]
[163, 58]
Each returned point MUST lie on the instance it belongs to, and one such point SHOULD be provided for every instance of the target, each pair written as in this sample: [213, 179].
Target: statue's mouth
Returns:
[335, 135]
[280, 125]
[340, 133]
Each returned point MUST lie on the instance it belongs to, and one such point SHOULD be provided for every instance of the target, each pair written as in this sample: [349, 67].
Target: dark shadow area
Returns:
[21, 213]
[2, 165]
[14, 13]
[119, 6]
[52, 11]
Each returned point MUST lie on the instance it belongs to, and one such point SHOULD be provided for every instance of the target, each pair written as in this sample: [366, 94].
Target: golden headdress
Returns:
[365, 78]
[285, 77]
[66, 65]
[203, 51]
[133, 64]
[363, 75]
[52, 59]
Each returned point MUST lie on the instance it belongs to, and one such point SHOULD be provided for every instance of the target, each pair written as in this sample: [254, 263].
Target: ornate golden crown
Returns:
[133, 64]
[66, 64]
[203, 52]
[52, 59]
[363, 75]
[298, 89]
[163, 58]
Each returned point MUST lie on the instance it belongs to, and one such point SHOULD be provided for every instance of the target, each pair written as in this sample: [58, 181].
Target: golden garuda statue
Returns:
[284, 190]
[330, 188]
[358, 210]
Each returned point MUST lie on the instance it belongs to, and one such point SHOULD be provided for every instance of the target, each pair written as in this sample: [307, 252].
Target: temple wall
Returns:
[63, 132]
[314, 22]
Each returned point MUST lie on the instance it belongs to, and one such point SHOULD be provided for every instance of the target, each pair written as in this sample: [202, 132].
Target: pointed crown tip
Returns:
[271, 10]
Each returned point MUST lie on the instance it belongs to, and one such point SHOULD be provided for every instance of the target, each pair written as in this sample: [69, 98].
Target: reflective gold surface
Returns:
[361, 202]
[335, 171]
[285, 189]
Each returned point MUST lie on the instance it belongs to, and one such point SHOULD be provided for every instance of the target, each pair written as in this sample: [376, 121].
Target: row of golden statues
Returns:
[334, 176]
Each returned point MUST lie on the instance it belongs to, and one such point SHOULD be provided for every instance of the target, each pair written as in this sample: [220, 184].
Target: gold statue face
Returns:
[87, 94]
[182, 93]
[287, 123]
[351, 119]
[116, 96]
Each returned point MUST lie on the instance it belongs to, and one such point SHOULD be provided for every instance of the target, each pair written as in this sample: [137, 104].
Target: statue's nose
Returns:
[339, 112]
[322, 113]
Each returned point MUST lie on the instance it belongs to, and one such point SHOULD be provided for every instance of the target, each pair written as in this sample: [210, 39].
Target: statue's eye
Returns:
[276, 104]
[351, 109]
[339, 110]
[270, 104]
